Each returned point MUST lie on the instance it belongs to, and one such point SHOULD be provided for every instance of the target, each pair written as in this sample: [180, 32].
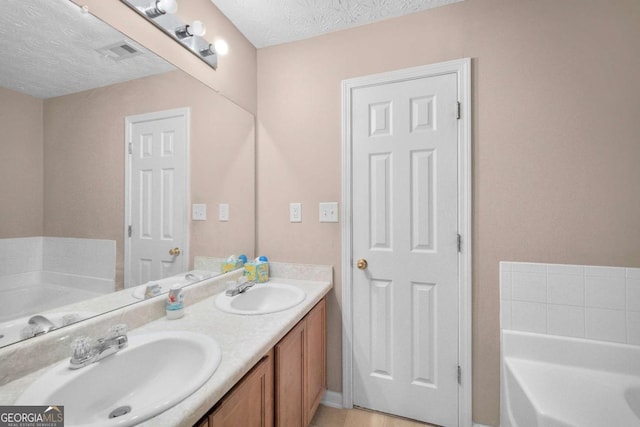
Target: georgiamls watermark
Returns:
[31, 416]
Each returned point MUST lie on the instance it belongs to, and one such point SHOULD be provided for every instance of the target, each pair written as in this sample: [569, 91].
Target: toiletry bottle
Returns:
[151, 290]
[175, 303]
[232, 263]
[257, 270]
[263, 269]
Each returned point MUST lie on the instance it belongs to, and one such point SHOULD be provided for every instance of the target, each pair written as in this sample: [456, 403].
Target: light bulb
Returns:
[222, 48]
[197, 28]
[167, 6]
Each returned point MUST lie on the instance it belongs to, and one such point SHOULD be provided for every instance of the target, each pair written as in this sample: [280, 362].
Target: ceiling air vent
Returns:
[119, 51]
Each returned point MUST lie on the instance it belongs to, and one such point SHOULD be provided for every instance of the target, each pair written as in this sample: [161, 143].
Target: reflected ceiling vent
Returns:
[120, 50]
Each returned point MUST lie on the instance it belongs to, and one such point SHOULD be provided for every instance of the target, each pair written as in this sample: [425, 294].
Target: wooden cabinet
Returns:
[300, 377]
[289, 378]
[316, 359]
[286, 386]
[250, 402]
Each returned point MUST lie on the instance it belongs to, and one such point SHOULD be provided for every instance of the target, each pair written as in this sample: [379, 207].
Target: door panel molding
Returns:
[462, 69]
[167, 146]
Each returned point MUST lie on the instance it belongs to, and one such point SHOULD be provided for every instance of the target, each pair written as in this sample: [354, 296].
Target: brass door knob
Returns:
[174, 251]
[362, 264]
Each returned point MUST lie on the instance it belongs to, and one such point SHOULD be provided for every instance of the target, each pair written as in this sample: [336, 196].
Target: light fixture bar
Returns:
[161, 14]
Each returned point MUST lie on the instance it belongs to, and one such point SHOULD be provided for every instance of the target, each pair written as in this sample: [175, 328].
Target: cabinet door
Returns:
[250, 403]
[315, 355]
[290, 370]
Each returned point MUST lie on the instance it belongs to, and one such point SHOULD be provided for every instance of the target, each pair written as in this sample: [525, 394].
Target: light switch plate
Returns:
[328, 212]
[295, 212]
[199, 212]
[223, 212]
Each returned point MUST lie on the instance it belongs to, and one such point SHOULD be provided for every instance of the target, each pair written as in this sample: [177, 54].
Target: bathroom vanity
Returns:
[285, 387]
[272, 370]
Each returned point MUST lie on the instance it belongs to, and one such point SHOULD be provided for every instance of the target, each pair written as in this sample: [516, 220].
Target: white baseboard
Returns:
[332, 399]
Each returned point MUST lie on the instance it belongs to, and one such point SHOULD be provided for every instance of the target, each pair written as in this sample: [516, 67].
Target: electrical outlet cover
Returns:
[295, 212]
[199, 212]
[223, 212]
[328, 212]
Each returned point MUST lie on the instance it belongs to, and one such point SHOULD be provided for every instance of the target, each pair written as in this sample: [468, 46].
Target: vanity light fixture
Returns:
[208, 51]
[160, 7]
[196, 28]
[161, 13]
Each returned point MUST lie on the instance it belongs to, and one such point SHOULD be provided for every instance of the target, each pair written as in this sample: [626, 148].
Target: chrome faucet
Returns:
[86, 352]
[41, 325]
[241, 288]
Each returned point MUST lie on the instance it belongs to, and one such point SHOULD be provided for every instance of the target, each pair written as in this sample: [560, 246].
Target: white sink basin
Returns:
[155, 372]
[262, 298]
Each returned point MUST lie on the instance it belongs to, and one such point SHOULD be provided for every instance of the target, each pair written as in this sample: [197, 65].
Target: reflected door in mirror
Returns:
[157, 184]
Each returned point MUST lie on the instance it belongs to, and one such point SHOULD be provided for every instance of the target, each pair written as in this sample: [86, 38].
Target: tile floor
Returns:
[331, 417]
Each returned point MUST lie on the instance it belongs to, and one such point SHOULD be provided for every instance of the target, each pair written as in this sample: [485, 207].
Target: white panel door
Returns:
[157, 196]
[405, 302]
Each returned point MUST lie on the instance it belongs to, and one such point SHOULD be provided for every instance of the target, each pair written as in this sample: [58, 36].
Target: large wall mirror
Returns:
[73, 93]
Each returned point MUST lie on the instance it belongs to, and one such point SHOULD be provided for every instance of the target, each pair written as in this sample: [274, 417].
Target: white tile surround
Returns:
[20, 255]
[599, 303]
[82, 257]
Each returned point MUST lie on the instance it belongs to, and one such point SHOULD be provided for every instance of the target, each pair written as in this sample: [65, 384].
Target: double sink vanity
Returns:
[255, 358]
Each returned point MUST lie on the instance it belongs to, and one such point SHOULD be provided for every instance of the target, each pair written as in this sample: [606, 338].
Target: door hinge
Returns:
[459, 243]
[130, 148]
[458, 113]
[130, 231]
[459, 375]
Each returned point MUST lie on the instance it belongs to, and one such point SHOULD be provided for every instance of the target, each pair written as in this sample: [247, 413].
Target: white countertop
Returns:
[244, 340]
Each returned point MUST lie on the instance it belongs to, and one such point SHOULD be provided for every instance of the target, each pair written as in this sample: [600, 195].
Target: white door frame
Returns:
[462, 69]
[128, 129]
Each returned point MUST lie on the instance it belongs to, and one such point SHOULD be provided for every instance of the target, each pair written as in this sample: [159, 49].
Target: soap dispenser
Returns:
[175, 303]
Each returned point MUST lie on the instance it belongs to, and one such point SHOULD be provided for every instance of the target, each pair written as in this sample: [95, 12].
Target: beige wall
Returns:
[20, 165]
[556, 97]
[84, 162]
[235, 77]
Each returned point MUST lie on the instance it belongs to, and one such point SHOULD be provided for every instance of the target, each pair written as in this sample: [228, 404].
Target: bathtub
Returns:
[31, 293]
[551, 381]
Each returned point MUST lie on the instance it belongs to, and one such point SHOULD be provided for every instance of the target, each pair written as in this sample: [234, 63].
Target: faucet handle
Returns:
[30, 331]
[68, 319]
[82, 348]
[117, 330]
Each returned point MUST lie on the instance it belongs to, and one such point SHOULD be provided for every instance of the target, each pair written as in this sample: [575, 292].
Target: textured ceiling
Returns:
[49, 49]
[271, 22]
